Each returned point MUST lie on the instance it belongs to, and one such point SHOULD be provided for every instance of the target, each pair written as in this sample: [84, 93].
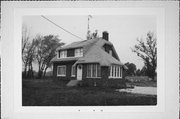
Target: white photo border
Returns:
[168, 59]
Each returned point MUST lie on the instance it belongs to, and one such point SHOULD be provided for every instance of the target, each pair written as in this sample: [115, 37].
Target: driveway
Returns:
[141, 90]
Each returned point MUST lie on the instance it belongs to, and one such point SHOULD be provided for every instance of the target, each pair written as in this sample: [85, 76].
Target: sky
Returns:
[123, 30]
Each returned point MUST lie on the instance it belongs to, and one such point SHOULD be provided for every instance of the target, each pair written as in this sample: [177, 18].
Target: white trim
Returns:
[116, 71]
[93, 77]
[61, 66]
[71, 71]
[115, 77]
[79, 71]
[110, 52]
[78, 54]
[120, 71]
[91, 70]
[67, 57]
[91, 67]
[59, 54]
[113, 69]
[119, 68]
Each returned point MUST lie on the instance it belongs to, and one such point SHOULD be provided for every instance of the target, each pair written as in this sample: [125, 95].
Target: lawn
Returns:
[50, 93]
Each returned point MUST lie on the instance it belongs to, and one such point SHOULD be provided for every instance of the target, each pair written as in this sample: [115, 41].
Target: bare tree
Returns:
[25, 47]
[45, 51]
[31, 58]
[147, 51]
[28, 52]
[25, 37]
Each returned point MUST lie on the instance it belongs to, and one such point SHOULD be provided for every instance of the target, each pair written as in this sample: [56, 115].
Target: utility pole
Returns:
[88, 29]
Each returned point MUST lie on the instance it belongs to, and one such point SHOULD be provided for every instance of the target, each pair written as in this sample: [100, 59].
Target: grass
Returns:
[50, 93]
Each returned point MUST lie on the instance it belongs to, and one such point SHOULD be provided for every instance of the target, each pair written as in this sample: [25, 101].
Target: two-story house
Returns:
[94, 60]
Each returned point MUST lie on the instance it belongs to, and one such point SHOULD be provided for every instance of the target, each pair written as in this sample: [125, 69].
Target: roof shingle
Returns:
[92, 52]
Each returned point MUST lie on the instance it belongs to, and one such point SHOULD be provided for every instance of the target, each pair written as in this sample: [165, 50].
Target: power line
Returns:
[61, 27]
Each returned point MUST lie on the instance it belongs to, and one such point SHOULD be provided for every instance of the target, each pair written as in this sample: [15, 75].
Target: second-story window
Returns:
[79, 52]
[63, 54]
[110, 52]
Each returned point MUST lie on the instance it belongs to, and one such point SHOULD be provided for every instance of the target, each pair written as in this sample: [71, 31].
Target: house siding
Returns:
[84, 71]
[107, 48]
[68, 70]
[103, 81]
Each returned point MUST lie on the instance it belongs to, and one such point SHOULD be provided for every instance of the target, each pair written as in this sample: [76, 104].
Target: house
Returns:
[93, 61]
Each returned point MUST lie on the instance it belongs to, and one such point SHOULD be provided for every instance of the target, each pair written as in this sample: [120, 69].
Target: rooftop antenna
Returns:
[88, 29]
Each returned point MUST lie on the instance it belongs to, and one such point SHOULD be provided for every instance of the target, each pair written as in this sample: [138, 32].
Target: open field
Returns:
[49, 93]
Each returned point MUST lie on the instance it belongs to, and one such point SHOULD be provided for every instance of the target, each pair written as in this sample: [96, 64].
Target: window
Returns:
[73, 71]
[63, 54]
[93, 70]
[110, 52]
[79, 52]
[116, 71]
[98, 71]
[89, 70]
[61, 70]
[103, 48]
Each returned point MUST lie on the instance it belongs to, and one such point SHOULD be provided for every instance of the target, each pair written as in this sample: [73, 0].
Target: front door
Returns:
[79, 72]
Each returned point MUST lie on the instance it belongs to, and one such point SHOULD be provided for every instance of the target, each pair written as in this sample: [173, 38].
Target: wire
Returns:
[61, 27]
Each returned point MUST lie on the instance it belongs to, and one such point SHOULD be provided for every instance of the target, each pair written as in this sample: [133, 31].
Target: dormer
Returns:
[105, 35]
[110, 50]
[79, 52]
[75, 52]
[62, 54]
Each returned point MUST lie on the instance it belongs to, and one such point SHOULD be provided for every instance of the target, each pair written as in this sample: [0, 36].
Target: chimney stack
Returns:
[105, 35]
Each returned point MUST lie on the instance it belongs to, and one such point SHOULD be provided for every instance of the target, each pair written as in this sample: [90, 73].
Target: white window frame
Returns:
[120, 72]
[58, 68]
[117, 71]
[112, 71]
[64, 54]
[110, 52]
[91, 71]
[78, 52]
[73, 75]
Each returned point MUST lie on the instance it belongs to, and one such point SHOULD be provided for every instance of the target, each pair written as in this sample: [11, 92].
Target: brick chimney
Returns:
[105, 35]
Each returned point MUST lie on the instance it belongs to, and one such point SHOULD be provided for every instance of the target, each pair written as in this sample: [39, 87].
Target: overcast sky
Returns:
[123, 30]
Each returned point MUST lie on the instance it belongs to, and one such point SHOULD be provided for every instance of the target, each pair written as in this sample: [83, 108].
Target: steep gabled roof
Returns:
[98, 55]
[78, 44]
[92, 52]
[55, 59]
[86, 44]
